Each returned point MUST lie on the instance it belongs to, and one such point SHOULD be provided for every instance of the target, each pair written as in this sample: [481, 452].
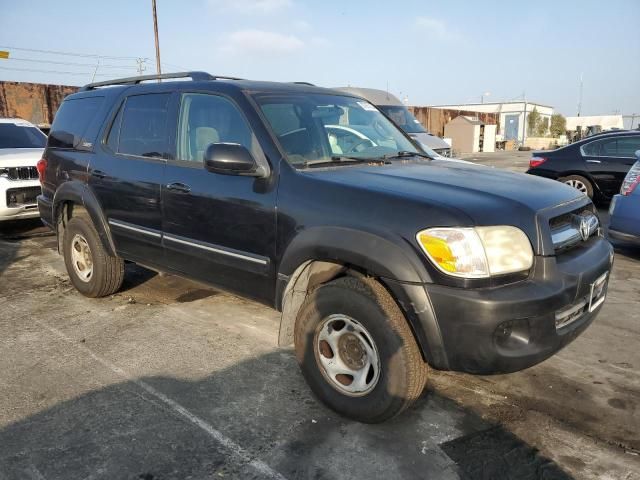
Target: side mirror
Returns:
[231, 159]
[638, 154]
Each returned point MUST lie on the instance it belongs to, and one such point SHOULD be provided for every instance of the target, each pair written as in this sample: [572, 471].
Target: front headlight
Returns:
[478, 252]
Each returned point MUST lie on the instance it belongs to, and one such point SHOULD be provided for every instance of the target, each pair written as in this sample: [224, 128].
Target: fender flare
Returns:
[319, 254]
[80, 194]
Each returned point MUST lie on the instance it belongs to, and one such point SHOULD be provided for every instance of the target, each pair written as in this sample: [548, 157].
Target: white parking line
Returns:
[235, 449]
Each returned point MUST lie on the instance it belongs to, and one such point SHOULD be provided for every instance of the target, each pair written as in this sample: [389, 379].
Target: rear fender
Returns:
[78, 193]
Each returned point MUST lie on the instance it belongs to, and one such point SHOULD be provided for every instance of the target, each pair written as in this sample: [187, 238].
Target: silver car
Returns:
[397, 111]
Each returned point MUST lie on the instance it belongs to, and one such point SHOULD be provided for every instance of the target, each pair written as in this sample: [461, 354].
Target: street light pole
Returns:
[155, 31]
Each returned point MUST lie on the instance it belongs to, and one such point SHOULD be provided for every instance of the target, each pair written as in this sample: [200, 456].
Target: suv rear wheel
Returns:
[92, 270]
[357, 352]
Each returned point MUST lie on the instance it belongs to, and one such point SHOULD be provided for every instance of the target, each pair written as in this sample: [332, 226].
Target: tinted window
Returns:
[627, 146]
[21, 135]
[207, 119]
[72, 121]
[144, 126]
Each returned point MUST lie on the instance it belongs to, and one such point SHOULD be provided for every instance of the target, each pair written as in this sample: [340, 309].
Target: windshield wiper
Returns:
[406, 153]
[338, 159]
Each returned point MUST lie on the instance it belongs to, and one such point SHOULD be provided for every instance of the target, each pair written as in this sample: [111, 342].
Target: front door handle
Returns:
[98, 174]
[594, 161]
[178, 187]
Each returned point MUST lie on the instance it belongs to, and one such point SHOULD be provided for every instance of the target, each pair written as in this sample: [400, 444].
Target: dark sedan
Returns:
[595, 165]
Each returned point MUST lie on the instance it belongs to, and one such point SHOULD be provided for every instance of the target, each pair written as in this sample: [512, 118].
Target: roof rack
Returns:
[304, 83]
[195, 76]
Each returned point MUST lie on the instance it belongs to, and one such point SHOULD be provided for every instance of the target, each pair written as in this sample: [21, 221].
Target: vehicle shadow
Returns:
[259, 410]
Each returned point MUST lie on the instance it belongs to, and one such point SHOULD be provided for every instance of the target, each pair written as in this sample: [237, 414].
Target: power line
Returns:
[33, 60]
[54, 71]
[71, 54]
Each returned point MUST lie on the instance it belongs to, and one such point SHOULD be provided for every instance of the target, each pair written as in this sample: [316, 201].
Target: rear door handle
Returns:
[179, 187]
[98, 174]
[594, 161]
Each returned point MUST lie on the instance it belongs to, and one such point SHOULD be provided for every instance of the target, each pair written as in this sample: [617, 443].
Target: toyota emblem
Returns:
[584, 229]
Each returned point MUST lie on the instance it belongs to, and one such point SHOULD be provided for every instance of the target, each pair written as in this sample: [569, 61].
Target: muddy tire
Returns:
[579, 183]
[91, 269]
[357, 352]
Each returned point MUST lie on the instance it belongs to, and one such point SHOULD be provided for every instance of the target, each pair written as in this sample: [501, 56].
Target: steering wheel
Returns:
[363, 141]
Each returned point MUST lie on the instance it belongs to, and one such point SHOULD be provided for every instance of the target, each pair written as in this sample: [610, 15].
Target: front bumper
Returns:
[17, 200]
[509, 328]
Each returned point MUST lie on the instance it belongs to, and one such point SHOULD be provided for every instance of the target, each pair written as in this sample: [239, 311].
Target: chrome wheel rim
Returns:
[81, 258]
[347, 355]
[578, 185]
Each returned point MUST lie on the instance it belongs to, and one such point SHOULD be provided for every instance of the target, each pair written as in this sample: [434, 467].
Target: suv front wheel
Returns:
[357, 352]
[91, 269]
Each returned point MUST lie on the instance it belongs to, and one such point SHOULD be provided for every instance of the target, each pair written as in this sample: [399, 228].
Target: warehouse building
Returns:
[512, 116]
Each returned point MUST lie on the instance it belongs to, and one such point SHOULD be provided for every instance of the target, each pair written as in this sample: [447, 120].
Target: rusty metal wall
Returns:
[434, 119]
[35, 102]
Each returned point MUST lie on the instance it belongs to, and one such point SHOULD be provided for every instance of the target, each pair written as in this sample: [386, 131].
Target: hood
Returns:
[430, 140]
[486, 196]
[20, 157]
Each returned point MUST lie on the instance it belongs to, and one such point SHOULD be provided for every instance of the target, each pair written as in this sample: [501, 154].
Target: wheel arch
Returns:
[305, 265]
[583, 174]
[71, 195]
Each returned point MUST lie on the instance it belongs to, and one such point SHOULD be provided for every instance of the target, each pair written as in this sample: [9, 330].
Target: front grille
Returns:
[22, 173]
[23, 197]
[572, 229]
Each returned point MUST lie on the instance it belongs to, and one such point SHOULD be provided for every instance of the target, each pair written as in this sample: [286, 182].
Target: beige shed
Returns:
[470, 135]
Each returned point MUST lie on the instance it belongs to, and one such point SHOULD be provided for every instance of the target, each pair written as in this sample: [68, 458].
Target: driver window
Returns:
[207, 119]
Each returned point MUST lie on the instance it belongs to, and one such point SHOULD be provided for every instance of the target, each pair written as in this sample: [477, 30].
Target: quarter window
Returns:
[144, 126]
[73, 120]
[207, 119]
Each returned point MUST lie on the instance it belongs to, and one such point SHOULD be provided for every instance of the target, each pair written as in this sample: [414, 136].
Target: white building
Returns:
[605, 122]
[513, 115]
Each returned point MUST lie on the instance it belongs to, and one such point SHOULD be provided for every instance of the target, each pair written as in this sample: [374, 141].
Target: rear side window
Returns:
[627, 146]
[141, 127]
[73, 120]
[616, 147]
[21, 135]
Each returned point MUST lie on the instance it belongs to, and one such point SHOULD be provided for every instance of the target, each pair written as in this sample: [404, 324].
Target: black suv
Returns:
[381, 259]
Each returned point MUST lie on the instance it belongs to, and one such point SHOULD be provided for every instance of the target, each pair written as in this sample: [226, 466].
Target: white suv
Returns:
[21, 146]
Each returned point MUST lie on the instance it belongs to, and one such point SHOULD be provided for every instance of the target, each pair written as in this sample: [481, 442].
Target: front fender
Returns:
[80, 194]
[378, 254]
[390, 259]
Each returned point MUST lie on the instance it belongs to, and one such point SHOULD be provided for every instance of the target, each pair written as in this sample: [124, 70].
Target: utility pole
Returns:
[155, 31]
[580, 97]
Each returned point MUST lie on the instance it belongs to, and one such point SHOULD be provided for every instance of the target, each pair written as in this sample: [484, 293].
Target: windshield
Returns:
[403, 118]
[21, 135]
[312, 128]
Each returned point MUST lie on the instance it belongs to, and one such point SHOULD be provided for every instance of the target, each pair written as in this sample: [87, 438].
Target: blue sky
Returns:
[432, 52]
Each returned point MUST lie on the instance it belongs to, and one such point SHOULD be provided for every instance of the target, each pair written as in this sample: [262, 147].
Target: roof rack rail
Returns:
[304, 83]
[195, 76]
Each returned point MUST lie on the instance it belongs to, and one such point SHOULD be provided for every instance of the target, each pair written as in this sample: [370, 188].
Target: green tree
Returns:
[558, 125]
[543, 127]
[533, 120]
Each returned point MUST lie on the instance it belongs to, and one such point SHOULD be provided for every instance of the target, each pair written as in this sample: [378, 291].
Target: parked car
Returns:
[624, 211]
[381, 260]
[595, 165]
[399, 114]
[21, 146]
